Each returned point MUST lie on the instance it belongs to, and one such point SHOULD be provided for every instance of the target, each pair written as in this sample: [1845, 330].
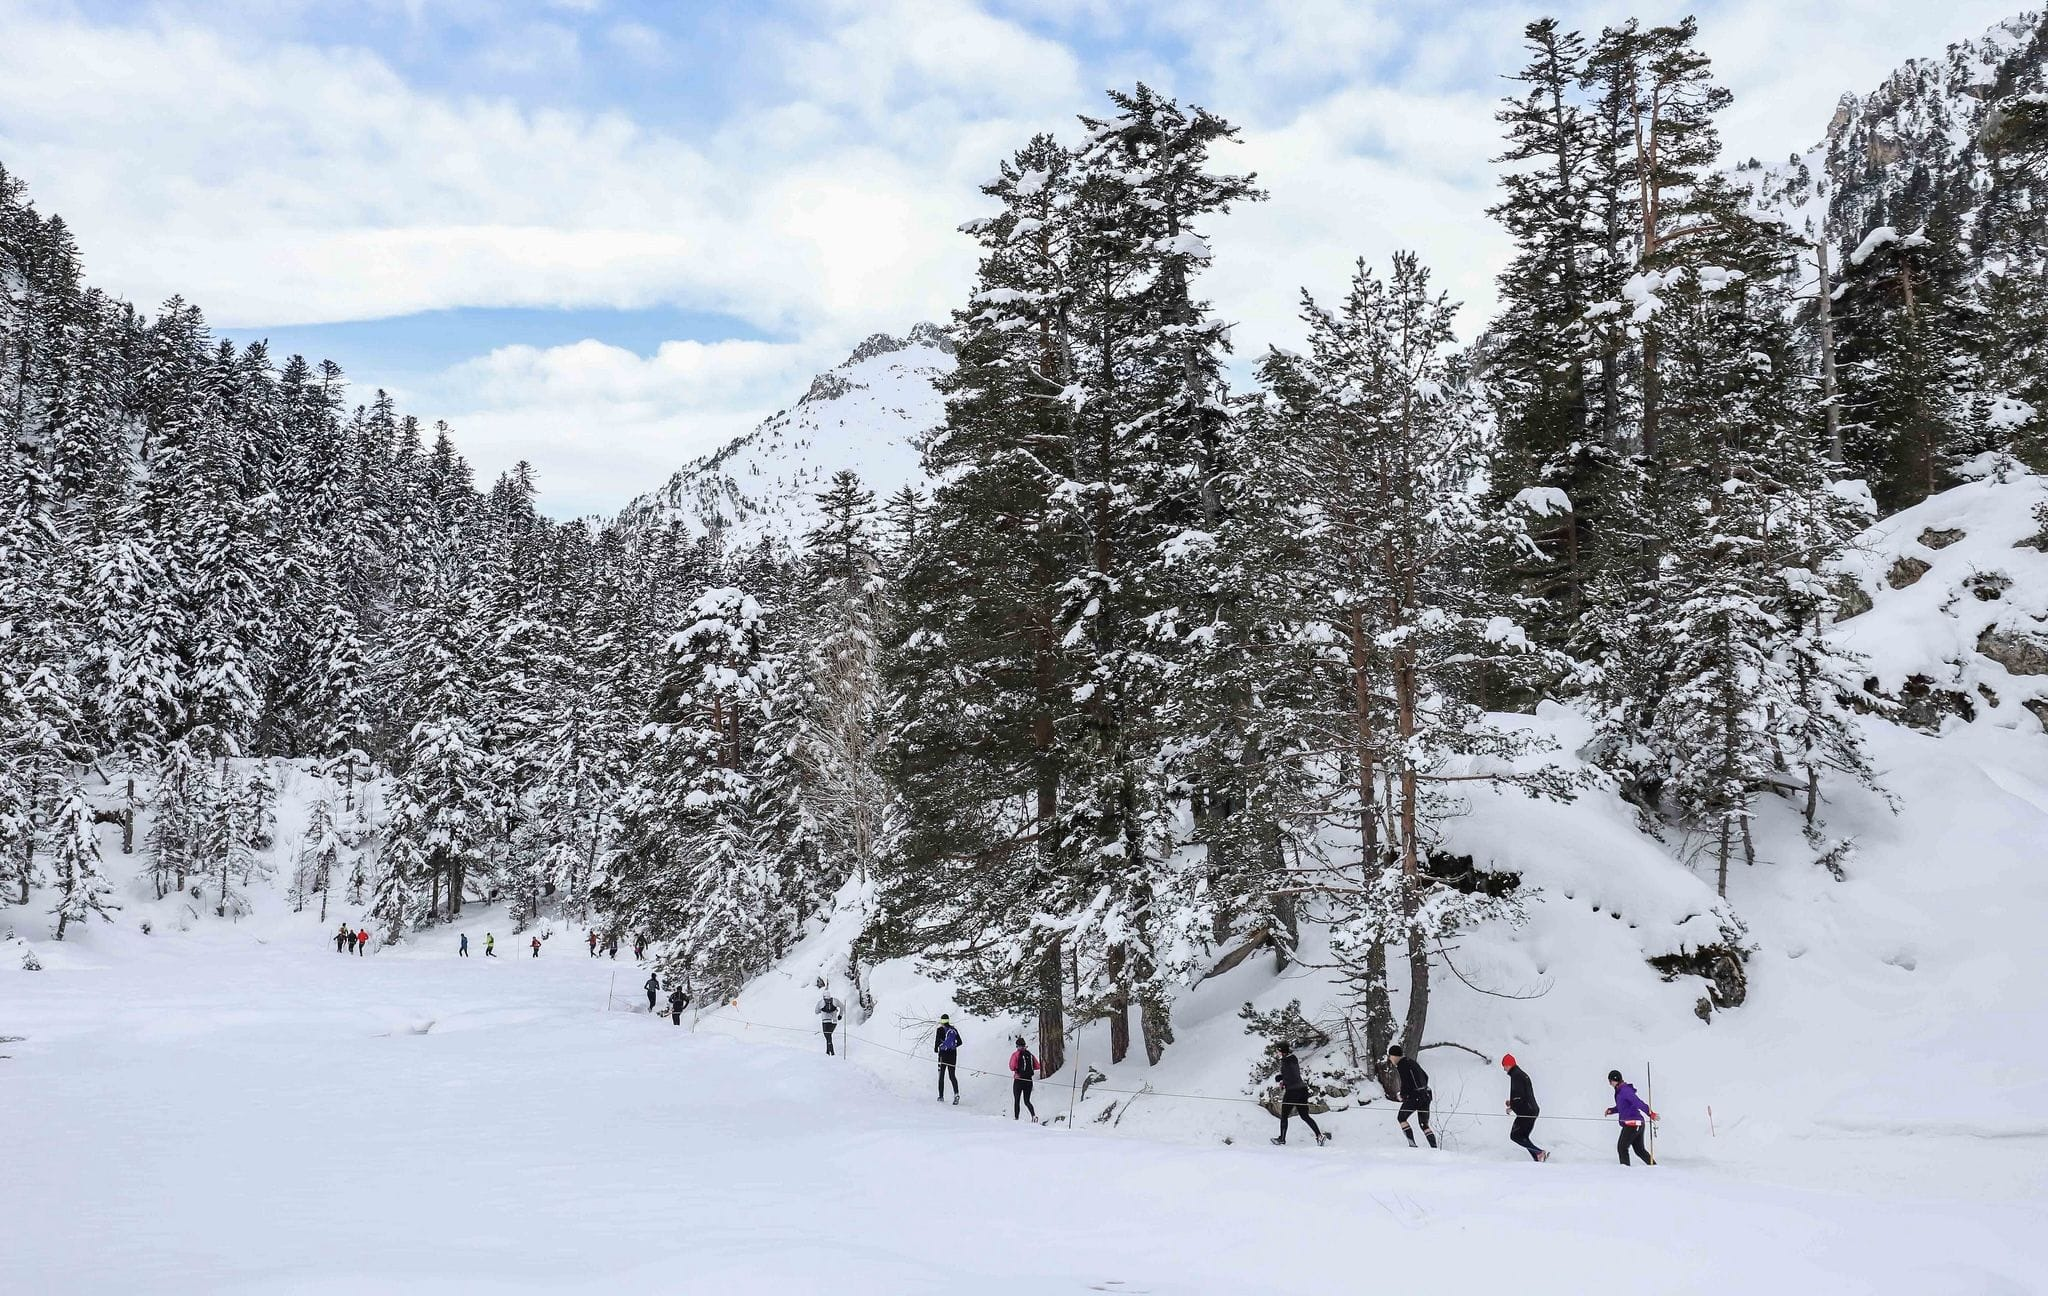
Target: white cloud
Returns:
[637, 41]
[276, 182]
[600, 423]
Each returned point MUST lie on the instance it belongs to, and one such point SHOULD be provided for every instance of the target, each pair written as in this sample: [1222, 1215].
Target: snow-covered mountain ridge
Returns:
[1917, 141]
[869, 413]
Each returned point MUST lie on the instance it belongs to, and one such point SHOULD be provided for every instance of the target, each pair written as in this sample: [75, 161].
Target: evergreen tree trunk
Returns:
[1379, 1016]
[1119, 1007]
[1827, 350]
[1155, 1020]
[1287, 910]
[1052, 1021]
[1411, 880]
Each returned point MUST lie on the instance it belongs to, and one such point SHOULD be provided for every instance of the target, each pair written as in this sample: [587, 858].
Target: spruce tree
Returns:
[1381, 442]
[75, 871]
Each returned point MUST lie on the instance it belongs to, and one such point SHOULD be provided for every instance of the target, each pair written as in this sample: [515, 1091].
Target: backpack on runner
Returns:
[950, 1041]
[1027, 1066]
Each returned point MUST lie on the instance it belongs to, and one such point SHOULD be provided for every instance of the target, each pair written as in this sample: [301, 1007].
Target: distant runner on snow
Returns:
[828, 1014]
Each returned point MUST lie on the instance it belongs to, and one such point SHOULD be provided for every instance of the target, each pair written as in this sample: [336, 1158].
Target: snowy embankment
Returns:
[1891, 1034]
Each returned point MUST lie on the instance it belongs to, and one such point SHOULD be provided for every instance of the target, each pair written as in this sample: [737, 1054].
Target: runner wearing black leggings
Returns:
[1023, 1069]
[946, 1043]
[1416, 1096]
[1522, 1102]
[1294, 1097]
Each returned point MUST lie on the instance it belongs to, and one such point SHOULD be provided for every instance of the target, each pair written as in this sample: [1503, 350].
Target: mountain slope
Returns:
[1917, 142]
[870, 414]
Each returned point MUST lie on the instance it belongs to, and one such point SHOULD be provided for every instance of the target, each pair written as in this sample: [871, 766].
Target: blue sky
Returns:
[606, 236]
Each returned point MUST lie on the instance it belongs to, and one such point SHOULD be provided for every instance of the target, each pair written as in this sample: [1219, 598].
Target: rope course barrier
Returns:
[1436, 1113]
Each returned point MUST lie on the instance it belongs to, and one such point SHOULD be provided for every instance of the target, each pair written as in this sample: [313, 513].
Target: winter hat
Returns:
[1394, 1050]
[944, 1018]
[1285, 1047]
[1507, 1061]
[1614, 1077]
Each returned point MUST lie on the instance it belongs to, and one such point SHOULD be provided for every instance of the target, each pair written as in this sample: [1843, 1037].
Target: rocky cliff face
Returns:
[1924, 145]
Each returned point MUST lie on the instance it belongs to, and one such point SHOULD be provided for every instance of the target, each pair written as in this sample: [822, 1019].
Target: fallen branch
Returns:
[1258, 940]
[1454, 1044]
[1497, 994]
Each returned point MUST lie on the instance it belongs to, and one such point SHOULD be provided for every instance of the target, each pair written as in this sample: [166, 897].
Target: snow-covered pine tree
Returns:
[1381, 447]
[229, 859]
[1149, 425]
[75, 873]
[179, 801]
[440, 803]
[317, 865]
[1708, 676]
[982, 880]
[2011, 242]
[1904, 423]
[692, 861]
[334, 697]
[42, 721]
[841, 740]
[1552, 382]
[1655, 142]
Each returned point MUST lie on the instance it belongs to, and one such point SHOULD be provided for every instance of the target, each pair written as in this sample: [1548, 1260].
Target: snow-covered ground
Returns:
[232, 1106]
[226, 1113]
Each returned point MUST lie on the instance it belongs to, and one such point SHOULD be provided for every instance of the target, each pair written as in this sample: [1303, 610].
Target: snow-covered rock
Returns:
[1957, 593]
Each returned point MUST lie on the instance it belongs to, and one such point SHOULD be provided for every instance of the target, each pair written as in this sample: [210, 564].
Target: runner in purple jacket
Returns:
[1631, 1111]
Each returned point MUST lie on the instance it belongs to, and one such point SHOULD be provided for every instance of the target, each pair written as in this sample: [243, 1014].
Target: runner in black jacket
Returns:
[1522, 1102]
[1294, 1097]
[1416, 1098]
[946, 1043]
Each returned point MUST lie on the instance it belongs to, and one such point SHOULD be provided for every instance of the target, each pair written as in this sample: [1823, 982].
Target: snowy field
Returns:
[234, 1107]
[217, 1113]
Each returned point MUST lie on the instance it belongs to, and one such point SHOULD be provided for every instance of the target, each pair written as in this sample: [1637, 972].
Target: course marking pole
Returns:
[1650, 1126]
[1073, 1083]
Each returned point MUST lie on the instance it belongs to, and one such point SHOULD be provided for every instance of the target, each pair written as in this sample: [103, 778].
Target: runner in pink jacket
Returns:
[1023, 1069]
